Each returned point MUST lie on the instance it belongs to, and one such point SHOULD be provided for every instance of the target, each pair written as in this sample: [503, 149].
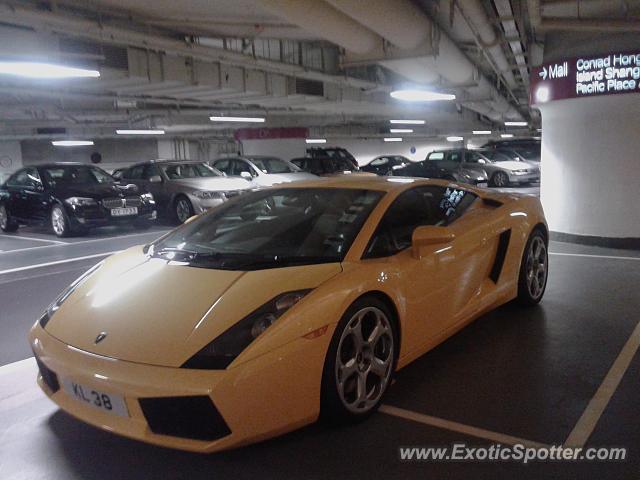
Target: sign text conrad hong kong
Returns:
[586, 76]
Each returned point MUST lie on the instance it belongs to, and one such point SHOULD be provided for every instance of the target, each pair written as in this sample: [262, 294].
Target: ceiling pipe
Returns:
[588, 25]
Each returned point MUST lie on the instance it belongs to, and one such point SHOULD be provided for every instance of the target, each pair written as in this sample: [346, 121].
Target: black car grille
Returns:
[187, 417]
[50, 378]
[121, 202]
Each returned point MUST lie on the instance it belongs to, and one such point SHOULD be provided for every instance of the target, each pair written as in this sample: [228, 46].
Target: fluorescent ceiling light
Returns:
[44, 70]
[516, 124]
[238, 119]
[482, 132]
[140, 132]
[316, 140]
[454, 138]
[401, 130]
[421, 95]
[407, 122]
[392, 139]
[506, 135]
[72, 143]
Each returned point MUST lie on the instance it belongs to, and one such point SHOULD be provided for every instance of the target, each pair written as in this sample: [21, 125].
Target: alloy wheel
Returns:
[57, 221]
[536, 267]
[500, 179]
[364, 360]
[183, 210]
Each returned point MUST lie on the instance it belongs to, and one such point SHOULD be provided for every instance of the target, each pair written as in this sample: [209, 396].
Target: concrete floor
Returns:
[513, 375]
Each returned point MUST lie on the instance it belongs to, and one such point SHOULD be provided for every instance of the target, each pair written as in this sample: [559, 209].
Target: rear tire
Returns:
[360, 362]
[534, 269]
[7, 224]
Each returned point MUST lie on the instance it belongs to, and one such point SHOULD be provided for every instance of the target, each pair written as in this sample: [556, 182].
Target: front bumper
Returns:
[526, 178]
[99, 216]
[270, 395]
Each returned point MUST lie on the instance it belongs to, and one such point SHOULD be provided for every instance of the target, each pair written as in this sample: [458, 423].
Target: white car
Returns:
[262, 171]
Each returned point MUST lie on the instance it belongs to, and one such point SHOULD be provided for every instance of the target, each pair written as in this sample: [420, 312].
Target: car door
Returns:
[22, 189]
[157, 189]
[475, 164]
[37, 204]
[440, 286]
[453, 162]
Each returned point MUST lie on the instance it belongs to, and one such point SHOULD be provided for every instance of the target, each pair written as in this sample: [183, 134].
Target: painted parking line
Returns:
[589, 419]
[588, 255]
[458, 427]
[83, 242]
[35, 239]
[57, 262]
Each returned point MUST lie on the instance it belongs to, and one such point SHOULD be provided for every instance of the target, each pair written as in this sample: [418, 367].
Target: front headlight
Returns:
[147, 198]
[519, 172]
[206, 195]
[57, 303]
[80, 201]
[224, 349]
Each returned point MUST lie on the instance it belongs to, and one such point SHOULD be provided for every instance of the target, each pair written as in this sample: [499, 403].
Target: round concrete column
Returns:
[591, 169]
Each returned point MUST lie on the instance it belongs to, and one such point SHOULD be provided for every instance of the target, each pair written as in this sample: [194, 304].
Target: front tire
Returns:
[534, 269]
[7, 224]
[182, 209]
[499, 179]
[360, 362]
[60, 222]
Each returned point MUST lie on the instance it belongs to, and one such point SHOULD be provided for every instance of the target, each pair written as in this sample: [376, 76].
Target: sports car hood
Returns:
[217, 184]
[161, 313]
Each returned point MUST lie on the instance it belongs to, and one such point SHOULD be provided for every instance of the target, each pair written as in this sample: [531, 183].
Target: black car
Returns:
[385, 164]
[71, 198]
[332, 152]
[324, 166]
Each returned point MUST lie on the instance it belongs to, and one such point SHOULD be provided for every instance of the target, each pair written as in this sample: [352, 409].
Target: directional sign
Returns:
[606, 74]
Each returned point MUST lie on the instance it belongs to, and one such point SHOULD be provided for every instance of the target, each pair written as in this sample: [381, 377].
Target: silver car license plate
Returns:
[123, 212]
[107, 402]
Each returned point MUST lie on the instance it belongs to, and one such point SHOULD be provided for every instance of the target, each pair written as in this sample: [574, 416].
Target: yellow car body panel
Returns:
[158, 314]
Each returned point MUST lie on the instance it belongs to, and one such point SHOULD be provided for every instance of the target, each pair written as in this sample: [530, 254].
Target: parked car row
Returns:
[74, 197]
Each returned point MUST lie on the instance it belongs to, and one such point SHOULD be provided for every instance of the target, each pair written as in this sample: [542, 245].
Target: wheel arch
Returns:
[395, 316]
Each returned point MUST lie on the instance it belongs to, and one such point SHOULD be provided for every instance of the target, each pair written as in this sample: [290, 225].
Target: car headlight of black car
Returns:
[80, 201]
[226, 347]
[147, 198]
[57, 303]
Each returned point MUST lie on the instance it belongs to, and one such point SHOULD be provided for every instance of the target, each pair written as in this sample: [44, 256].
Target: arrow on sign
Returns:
[543, 73]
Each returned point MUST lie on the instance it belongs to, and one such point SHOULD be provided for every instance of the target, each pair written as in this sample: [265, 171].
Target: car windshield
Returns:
[75, 175]
[272, 228]
[273, 165]
[178, 171]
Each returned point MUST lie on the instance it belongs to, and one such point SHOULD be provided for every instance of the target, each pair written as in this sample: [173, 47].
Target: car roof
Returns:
[61, 164]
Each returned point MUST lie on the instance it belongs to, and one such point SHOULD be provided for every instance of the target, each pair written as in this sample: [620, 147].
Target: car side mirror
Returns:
[155, 179]
[246, 175]
[429, 235]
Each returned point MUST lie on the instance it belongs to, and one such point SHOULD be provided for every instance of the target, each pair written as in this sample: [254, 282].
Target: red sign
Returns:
[606, 74]
[270, 133]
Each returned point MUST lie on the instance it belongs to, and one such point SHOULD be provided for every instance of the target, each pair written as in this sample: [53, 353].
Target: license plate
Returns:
[106, 402]
[123, 212]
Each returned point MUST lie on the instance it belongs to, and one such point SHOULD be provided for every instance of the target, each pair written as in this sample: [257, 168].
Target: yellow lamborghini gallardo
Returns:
[284, 305]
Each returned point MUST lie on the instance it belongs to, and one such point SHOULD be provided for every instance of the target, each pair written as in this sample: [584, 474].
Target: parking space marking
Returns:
[587, 255]
[57, 262]
[458, 427]
[34, 239]
[82, 242]
[589, 419]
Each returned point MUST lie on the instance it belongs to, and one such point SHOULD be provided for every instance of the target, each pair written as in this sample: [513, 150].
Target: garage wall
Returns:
[115, 152]
[590, 166]
[10, 158]
[363, 149]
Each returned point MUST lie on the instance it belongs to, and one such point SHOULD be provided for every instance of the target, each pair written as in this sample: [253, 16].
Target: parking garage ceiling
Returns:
[329, 64]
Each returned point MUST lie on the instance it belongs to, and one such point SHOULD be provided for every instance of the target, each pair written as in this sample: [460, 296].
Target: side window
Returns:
[134, 173]
[454, 157]
[224, 166]
[27, 177]
[428, 205]
[150, 171]
[435, 156]
[474, 157]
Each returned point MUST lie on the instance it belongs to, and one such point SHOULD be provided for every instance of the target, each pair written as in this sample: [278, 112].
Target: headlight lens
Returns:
[224, 349]
[80, 201]
[206, 195]
[520, 172]
[53, 308]
[147, 198]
